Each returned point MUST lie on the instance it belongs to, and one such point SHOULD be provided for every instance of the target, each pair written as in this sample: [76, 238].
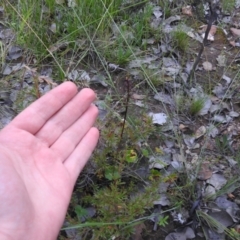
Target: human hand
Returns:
[42, 152]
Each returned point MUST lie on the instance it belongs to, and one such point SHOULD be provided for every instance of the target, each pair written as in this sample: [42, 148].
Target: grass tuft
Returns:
[180, 40]
[196, 106]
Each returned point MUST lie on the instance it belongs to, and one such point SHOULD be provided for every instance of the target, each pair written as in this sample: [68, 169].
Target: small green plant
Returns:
[141, 28]
[118, 54]
[81, 212]
[180, 101]
[213, 224]
[180, 40]
[228, 5]
[113, 204]
[117, 201]
[154, 174]
[123, 55]
[112, 173]
[155, 77]
[196, 106]
[3, 54]
[231, 184]
[237, 157]
[145, 152]
[222, 144]
[166, 6]
[163, 221]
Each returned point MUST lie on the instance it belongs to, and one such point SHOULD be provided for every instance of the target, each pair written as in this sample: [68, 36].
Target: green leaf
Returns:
[112, 174]
[80, 211]
[145, 152]
[131, 156]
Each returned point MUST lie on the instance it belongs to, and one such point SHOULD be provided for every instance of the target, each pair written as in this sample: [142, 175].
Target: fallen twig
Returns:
[212, 19]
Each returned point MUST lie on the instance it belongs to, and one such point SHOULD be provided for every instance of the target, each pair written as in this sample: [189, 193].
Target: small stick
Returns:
[126, 107]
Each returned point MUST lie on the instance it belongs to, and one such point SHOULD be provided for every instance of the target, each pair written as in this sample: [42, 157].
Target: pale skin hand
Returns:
[42, 152]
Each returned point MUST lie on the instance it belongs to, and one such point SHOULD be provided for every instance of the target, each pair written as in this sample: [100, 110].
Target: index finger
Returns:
[36, 115]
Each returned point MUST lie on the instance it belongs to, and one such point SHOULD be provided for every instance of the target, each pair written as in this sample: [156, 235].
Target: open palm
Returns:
[42, 152]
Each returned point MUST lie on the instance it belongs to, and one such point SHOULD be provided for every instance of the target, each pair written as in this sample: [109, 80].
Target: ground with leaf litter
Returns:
[167, 163]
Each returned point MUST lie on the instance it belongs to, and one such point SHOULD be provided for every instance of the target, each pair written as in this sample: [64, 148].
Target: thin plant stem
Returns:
[126, 107]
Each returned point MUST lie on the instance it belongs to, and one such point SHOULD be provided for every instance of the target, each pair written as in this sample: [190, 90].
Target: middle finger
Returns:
[69, 139]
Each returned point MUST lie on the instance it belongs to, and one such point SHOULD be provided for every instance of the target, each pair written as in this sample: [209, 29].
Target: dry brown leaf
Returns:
[205, 172]
[41, 78]
[232, 43]
[57, 46]
[47, 79]
[211, 33]
[200, 132]
[187, 10]
[237, 228]
[235, 31]
[215, 99]
[138, 97]
[231, 196]
[182, 127]
[33, 70]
